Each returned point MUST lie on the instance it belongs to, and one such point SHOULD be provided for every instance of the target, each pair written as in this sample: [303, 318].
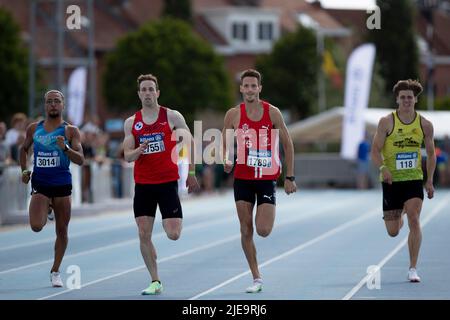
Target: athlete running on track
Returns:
[396, 150]
[148, 143]
[55, 144]
[258, 126]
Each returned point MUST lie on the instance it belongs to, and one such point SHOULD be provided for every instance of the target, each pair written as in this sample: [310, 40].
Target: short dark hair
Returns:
[54, 91]
[413, 85]
[144, 77]
[251, 73]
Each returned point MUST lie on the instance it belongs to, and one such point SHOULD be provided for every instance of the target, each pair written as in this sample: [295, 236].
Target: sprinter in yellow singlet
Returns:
[396, 151]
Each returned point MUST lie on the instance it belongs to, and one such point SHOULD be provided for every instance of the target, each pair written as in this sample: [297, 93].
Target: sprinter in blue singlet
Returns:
[55, 143]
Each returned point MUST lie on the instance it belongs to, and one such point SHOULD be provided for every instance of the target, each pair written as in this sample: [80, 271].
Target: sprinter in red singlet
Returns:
[258, 126]
[148, 143]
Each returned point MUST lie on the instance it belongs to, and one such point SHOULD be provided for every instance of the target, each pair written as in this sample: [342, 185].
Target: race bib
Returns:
[47, 162]
[406, 160]
[259, 158]
[156, 143]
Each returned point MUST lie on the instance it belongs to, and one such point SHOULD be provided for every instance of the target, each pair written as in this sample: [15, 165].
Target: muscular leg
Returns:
[245, 214]
[394, 221]
[413, 208]
[172, 227]
[38, 211]
[265, 217]
[62, 208]
[145, 226]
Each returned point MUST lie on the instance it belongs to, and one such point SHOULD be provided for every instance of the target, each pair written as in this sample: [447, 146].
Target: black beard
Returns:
[53, 116]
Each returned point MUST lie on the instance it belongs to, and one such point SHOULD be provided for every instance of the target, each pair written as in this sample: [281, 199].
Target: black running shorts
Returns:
[165, 195]
[51, 191]
[248, 190]
[396, 194]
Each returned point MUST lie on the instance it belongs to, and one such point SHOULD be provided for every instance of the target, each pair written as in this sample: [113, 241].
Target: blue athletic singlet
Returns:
[51, 164]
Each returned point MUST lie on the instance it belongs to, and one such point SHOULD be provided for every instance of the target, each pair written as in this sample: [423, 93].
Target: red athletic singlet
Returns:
[257, 147]
[155, 165]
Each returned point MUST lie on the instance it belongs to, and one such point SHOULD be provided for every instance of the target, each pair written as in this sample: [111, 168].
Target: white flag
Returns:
[357, 92]
[76, 95]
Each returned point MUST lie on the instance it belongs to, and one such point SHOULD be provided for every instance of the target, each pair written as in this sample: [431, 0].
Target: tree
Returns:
[190, 75]
[13, 68]
[397, 52]
[180, 9]
[290, 73]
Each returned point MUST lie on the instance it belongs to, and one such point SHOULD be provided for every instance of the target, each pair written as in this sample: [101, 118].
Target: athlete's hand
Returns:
[429, 188]
[26, 176]
[142, 147]
[289, 186]
[227, 166]
[192, 183]
[387, 175]
[61, 142]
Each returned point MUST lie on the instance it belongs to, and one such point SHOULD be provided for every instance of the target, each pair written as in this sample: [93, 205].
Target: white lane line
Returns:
[228, 239]
[302, 246]
[116, 245]
[310, 213]
[363, 281]
[197, 213]
[172, 257]
[72, 235]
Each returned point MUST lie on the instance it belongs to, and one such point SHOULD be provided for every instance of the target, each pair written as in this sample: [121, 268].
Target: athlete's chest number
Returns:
[259, 159]
[259, 162]
[154, 147]
[47, 162]
[406, 160]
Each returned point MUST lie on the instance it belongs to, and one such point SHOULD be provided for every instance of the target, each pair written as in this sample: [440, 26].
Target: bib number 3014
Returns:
[47, 162]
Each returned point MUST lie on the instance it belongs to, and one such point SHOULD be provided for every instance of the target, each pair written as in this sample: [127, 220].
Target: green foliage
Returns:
[13, 68]
[180, 9]
[440, 103]
[290, 73]
[397, 52]
[191, 76]
[378, 97]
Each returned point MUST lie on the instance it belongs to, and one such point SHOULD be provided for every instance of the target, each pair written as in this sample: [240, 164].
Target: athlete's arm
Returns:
[428, 131]
[288, 147]
[377, 145]
[227, 145]
[130, 152]
[23, 152]
[75, 152]
[178, 123]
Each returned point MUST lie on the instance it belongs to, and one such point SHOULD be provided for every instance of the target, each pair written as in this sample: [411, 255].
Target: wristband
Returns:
[382, 167]
[26, 172]
[192, 172]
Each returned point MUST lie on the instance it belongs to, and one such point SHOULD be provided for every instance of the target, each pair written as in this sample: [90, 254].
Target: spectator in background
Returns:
[183, 170]
[88, 136]
[16, 135]
[4, 150]
[446, 151]
[441, 162]
[362, 176]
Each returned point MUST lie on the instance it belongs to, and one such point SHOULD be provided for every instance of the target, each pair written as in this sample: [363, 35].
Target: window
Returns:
[265, 31]
[240, 31]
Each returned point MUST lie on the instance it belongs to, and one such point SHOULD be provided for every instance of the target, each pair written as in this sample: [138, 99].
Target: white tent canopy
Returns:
[327, 126]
